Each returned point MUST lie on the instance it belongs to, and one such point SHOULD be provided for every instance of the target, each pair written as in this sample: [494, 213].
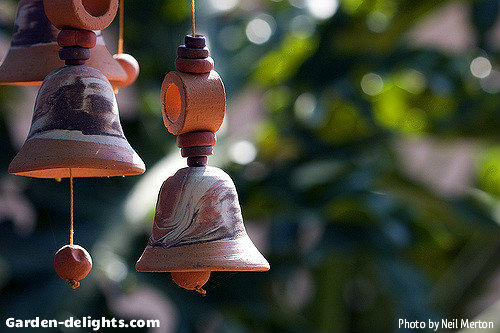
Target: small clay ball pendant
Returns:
[72, 263]
[130, 66]
[191, 280]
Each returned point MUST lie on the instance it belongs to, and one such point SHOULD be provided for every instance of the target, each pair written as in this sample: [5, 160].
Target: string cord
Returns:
[120, 37]
[71, 208]
[193, 17]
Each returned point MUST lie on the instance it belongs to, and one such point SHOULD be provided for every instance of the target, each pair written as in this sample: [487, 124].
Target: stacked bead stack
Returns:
[75, 45]
[194, 101]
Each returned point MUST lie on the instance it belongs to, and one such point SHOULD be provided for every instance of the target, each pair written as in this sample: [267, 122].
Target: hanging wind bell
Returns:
[76, 130]
[33, 51]
[198, 226]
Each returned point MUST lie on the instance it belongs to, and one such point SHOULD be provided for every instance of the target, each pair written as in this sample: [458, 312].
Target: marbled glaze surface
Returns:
[32, 25]
[197, 205]
[77, 103]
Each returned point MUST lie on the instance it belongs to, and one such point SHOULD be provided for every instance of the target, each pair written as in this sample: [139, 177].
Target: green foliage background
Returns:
[383, 245]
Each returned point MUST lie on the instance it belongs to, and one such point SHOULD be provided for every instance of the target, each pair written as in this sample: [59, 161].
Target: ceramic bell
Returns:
[76, 125]
[33, 50]
[198, 227]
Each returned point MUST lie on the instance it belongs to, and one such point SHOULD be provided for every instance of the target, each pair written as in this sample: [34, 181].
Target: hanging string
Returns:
[71, 207]
[120, 36]
[193, 16]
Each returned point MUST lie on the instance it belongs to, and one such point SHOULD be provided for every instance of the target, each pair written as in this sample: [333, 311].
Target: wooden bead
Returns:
[192, 103]
[81, 14]
[197, 161]
[197, 41]
[197, 151]
[74, 53]
[195, 139]
[192, 53]
[195, 66]
[83, 38]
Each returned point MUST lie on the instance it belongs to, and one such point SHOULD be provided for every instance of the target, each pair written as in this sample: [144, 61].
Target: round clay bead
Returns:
[191, 280]
[81, 14]
[195, 66]
[197, 41]
[192, 103]
[74, 53]
[130, 66]
[72, 263]
[195, 139]
[192, 53]
[197, 161]
[197, 151]
[83, 38]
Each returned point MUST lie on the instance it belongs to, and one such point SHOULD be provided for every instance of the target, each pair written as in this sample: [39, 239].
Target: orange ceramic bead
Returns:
[81, 14]
[192, 103]
[83, 38]
[192, 53]
[72, 263]
[195, 66]
[197, 151]
[130, 66]
[194, 139]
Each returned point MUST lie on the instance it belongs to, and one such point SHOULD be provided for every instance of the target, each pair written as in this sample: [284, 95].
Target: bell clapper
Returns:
[126, 61]
[192, 280]
[72, 262]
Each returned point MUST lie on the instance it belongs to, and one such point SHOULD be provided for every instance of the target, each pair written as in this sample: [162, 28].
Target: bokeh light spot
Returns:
[304, 106]
[322, 9]
[242, 152]
[259, 29]
[377, 21]
[372, 84]
[480, 67]
[223, 5]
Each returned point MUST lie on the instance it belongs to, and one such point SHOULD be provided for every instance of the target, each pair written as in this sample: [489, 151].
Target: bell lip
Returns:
[52, 158]
[230, 255]
[29, 65]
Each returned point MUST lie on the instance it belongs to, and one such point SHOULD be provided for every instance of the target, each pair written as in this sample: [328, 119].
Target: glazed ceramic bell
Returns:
[76, 126]
[33, 52]
[198, 228]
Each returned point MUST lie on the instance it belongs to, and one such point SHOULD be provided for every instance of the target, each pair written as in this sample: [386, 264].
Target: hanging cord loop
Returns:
[71, 207]
[120, 36]
[193, 17]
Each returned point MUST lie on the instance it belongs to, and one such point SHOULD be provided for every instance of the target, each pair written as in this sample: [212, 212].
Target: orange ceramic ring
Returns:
[192, 102]
[81, 14]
